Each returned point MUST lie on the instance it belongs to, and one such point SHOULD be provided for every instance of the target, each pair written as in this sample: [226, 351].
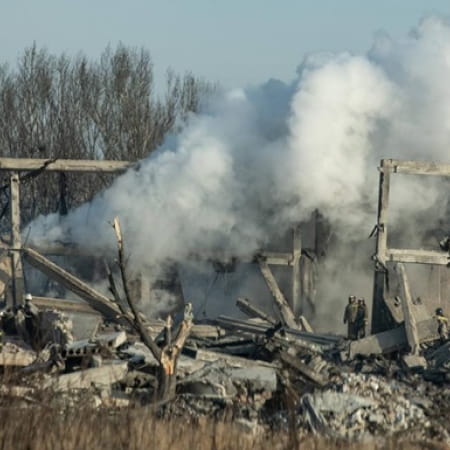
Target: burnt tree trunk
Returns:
[167, 356]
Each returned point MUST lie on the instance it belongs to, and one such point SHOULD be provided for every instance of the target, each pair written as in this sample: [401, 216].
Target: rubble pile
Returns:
[362, 404]
[264, 375]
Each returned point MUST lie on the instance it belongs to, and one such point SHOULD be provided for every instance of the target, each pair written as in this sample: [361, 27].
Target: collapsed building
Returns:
[301, 261]
[218, 360]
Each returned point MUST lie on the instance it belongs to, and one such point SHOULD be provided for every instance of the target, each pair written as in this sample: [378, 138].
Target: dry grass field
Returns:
[39, 427]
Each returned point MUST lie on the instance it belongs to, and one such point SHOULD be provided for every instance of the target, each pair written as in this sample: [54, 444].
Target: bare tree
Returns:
[61, 107]
[167, 355]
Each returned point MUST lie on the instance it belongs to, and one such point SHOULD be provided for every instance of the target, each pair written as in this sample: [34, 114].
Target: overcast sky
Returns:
[234, 42]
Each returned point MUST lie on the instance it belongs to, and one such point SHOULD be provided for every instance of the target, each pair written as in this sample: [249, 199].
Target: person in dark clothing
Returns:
[350, 317]
[442, 325]
[361, 319]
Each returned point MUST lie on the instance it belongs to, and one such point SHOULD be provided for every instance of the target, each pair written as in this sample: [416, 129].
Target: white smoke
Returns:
[262, 159]
[335, 113]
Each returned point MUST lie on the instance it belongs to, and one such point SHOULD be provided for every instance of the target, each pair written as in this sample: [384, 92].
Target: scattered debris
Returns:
[258, 367]
[269, 370]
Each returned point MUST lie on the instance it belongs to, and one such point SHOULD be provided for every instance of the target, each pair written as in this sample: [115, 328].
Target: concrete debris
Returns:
[85, 379]
[138, 353]
[95, 345]
[16, 353]
[270, 370]
[414, 361]
[359, 403]
[259, 368]
[218, 380]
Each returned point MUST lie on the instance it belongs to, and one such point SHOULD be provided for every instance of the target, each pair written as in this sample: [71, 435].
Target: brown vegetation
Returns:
[40, 427]
[61, 107]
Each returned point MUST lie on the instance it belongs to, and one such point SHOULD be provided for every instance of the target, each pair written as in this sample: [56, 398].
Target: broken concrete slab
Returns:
[16, 354]
[262, 379]
[207, 331]
[187, 365]
[414, 362]
[340, 402]
[392, 340]
[302, 368]
[394, 305]
[234, 361]
[95, 345]
[376, 344]
[138, 353]
[412, 335]
[103, 376]
[111, 340]
[211, 382]
[219, 380]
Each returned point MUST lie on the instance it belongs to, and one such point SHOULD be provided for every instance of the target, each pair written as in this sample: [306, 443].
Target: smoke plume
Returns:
[258, 160]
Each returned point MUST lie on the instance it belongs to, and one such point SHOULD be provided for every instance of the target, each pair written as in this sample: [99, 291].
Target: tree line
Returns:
[73, 107]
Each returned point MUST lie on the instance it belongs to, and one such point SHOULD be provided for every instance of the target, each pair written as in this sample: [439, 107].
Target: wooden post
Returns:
[296, 300]
[381, 248]
[16, 240]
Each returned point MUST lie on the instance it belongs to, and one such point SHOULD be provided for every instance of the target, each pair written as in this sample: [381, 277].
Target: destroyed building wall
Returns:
[439, 288]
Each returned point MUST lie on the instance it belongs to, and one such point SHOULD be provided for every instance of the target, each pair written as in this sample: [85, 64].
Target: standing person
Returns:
[442, 324]
[361, 319]
[350, 317]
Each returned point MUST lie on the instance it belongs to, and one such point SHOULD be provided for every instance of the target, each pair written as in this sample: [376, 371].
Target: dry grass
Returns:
[46, 421]
[41, 427]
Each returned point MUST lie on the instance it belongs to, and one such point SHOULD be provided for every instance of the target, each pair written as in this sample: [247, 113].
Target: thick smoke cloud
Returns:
[261, 159]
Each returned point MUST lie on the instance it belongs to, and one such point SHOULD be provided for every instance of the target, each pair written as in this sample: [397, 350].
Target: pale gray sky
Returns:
[234, 42]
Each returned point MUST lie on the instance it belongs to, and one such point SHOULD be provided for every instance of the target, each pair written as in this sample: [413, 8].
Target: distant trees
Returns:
[61, 107]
